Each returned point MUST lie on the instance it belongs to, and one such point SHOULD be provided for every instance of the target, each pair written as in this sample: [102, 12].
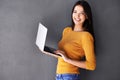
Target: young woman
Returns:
[77, 42]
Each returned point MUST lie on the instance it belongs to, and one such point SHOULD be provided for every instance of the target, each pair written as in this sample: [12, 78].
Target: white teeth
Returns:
[78, 19]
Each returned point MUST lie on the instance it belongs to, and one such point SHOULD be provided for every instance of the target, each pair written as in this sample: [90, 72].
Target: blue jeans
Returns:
[68, 77]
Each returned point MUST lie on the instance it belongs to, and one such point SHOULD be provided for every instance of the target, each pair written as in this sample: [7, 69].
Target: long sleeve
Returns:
[88, 47]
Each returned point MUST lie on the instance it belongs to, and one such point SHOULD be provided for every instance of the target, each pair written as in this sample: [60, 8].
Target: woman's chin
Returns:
[77, 23]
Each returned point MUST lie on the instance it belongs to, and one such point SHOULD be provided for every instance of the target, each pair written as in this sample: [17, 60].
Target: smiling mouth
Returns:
[76, 19]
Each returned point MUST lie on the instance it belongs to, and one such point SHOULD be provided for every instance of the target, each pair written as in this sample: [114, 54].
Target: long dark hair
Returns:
[88, 24]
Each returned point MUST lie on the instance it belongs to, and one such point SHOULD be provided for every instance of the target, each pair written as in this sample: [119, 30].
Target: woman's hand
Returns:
[62, 53]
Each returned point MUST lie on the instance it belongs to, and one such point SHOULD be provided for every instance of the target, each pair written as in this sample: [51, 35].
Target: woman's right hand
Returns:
[62, 54]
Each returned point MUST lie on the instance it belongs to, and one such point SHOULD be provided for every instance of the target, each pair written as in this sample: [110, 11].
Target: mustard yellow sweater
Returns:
[76, 45]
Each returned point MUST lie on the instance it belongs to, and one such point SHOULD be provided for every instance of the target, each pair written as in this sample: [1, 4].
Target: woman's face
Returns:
[78, 15]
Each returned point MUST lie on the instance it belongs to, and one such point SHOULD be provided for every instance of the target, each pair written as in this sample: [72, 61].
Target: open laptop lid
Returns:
[41, 39]
[41, 36]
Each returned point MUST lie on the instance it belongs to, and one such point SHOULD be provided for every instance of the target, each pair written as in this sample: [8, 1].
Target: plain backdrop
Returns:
[20, 58]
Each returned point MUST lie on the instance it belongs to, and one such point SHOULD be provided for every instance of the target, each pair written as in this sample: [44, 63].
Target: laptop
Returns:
[41, 39]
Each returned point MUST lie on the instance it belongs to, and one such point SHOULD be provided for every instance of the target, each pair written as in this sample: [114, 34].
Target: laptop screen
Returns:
[49, 49]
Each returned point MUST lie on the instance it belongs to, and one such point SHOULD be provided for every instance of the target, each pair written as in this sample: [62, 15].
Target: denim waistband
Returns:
[64, 75]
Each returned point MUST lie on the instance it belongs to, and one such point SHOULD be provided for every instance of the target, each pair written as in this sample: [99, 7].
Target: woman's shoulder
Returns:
[66, 29]
[87, 35]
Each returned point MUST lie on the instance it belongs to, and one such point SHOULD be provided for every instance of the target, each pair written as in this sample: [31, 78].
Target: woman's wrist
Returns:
[67, 60]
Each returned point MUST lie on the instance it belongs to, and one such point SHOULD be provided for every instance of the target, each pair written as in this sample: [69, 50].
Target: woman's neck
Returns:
[78, 28]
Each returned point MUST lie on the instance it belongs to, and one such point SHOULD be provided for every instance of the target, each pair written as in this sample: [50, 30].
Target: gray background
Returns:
[20, 59]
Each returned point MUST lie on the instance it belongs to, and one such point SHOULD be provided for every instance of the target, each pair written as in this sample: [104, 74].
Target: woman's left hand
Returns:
[62, 53]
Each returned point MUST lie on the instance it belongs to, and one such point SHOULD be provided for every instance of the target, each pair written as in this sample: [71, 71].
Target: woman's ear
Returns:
[86, 17]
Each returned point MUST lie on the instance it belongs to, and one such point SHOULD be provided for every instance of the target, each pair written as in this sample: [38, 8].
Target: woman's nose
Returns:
[78, 15]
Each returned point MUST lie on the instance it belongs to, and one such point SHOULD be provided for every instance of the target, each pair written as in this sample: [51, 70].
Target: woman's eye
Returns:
[74, 11]
[82, 13]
